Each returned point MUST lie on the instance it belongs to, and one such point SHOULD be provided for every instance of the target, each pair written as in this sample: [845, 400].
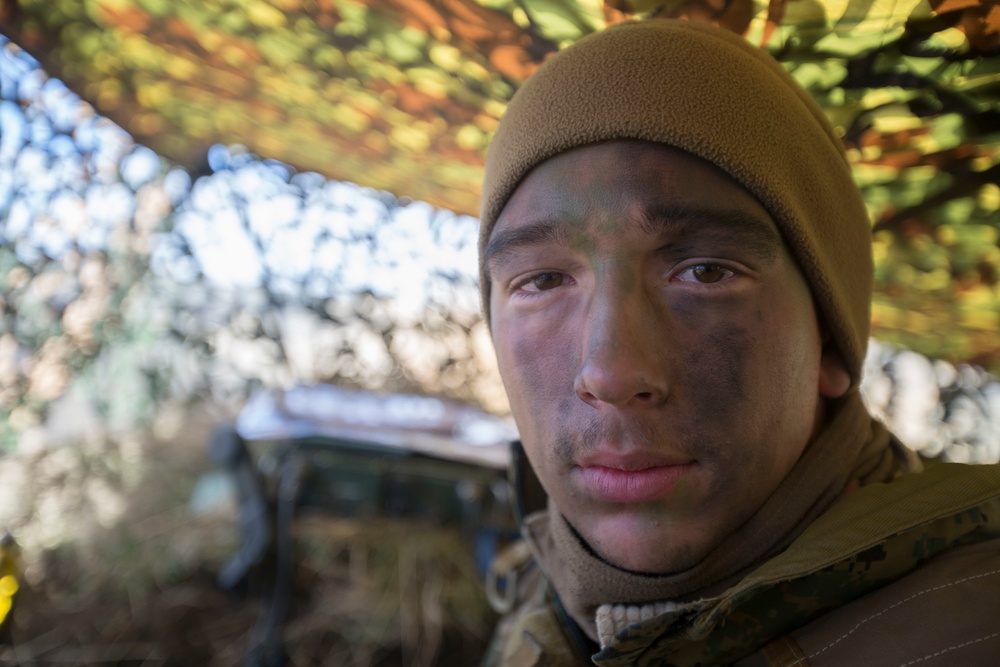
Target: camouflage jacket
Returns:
[898, 574]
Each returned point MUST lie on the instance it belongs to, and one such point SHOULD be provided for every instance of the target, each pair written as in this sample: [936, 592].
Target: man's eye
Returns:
[542, 282]
[704, 273]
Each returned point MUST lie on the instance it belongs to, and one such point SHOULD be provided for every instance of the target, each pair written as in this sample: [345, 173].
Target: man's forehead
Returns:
[635, 188]
[675, 227]
[628, 173]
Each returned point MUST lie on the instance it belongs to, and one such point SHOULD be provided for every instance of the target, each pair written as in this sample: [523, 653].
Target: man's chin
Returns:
[651, 564]
[632, 546]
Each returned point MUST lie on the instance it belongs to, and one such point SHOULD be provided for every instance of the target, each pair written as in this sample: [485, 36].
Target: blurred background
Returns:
[238, 287]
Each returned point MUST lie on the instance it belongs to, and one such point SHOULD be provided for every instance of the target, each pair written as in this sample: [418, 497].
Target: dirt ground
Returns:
[337, 617]
[138, 586]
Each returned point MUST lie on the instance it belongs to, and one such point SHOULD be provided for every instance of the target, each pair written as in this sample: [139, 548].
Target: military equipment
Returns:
[356, 454]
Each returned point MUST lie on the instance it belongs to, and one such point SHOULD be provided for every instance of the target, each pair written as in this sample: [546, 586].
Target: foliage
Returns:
[119, 274]
[77, 222]
[403, 94]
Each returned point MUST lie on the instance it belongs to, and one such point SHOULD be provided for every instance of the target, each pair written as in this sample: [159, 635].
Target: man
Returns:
[676, 268]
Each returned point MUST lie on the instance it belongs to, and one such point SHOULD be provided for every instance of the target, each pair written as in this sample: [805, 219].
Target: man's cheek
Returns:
[544, 367]
[537, 369]
[719, 338]
[714, 383]
[718, 360]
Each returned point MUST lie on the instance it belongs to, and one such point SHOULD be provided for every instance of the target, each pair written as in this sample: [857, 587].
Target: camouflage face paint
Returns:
[658, 344]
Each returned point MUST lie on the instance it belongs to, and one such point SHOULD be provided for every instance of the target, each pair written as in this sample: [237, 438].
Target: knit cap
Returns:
[706, 91]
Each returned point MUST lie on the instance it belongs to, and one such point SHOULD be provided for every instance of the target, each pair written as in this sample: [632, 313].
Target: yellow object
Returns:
[9, 584]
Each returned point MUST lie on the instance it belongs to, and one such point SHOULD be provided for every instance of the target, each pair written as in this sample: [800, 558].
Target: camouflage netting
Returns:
[110, 278]
[116, 283]
[402, 95]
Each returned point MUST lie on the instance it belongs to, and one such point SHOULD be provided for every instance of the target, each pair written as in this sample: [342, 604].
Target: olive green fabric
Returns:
[708, 92]
[869, 539]
[883, 549]
[954, 600]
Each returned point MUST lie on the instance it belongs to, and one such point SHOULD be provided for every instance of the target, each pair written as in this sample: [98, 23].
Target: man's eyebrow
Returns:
[543, 232]
[757, 234]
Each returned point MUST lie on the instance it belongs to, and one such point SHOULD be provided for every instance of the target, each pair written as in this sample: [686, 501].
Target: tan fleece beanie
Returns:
[706, 91]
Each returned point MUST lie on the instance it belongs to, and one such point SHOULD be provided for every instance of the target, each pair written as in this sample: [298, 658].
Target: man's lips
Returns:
[630, 479]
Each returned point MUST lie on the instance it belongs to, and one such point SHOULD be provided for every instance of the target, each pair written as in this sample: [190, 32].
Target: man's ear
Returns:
[834, 380]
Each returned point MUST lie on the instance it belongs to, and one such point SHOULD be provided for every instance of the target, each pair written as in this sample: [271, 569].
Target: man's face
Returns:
[659, 347]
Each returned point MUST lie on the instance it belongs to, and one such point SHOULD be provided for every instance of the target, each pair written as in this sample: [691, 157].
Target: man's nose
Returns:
[622, 352]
